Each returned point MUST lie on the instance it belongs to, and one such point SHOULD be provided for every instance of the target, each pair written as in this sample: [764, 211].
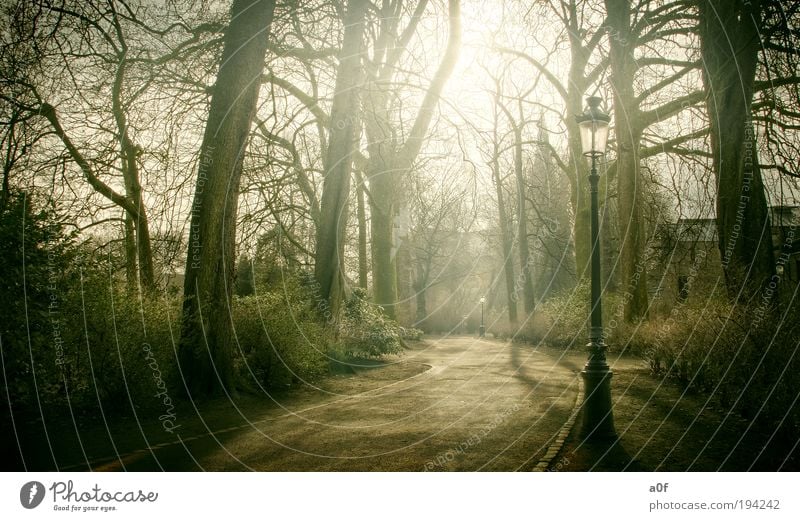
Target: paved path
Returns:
[456, 403]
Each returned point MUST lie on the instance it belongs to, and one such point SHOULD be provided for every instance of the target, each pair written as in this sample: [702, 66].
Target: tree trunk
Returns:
[381, 197]
[384, 272]
[579, 180]
[422, 306]
[628, 133]
[144, 251]
[505, 237]
[579, 193]
[131, 277]
[133, 186]
[141, 225]
[207, 336]
[363, 261]
[730, 42]
[529, 300]
[632, 233]
[403, 307]
[342, 139]
[388, 163]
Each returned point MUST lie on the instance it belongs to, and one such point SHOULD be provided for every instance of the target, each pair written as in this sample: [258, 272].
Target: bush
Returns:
[744, 356]
[125, 351]
[366, 332]
[411, 333]
[34, 257]
[280, 339]
[70, 338]
[560, 320]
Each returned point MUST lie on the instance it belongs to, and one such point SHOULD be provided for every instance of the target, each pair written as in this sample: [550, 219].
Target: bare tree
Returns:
[206, 344]
[389, 160]
[506, 239]
[342, 141]
[525, 263]
[730, 36]
[584, 40]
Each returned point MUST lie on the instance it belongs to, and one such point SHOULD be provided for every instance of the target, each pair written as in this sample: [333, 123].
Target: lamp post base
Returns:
[598, 418]
[481, 332]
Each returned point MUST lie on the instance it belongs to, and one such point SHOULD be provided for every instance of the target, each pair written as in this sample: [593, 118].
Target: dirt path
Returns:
[456, 403]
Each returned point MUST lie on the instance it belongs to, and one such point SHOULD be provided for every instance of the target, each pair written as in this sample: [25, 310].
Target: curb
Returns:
[561, 436]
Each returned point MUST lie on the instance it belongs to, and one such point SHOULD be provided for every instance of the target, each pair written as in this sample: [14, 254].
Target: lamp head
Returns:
[593, 127]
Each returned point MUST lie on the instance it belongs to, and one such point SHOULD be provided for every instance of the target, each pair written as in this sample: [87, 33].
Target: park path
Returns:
[455, 403]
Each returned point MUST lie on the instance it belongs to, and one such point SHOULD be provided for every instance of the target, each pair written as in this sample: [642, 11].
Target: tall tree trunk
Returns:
[130, 173]
[342, 138]
[529, 300]
[628, 133]
[730, 42]
[505, 236]
[141, 227]
[384, 272]
[207, 333]
[144, 251]
[381, 196]
[422, 306]
[363, 261]
[388, 163]
[632, 230]
[131, 269]
[403, 307]
[577, 84]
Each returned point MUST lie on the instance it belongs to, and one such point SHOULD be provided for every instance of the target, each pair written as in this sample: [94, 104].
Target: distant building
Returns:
[785, 222]
[688, 252]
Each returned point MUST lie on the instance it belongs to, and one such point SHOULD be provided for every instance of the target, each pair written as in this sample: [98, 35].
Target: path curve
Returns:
[455, 403]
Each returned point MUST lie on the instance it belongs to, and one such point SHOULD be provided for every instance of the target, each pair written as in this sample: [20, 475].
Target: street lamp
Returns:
[482, 328]
[598, 418]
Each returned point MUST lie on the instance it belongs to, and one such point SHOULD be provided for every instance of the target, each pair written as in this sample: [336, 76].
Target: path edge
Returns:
[561, 437]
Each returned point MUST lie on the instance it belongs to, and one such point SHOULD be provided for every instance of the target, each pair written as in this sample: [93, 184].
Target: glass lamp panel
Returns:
[585, 128]
[600, 136]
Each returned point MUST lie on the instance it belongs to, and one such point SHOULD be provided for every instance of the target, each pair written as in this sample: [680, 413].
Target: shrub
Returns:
[280, 339]
[70, 338]
[560, 320]
[411, 333]
[35, 254]
[365, 330]
[744, 356]
[125, 348]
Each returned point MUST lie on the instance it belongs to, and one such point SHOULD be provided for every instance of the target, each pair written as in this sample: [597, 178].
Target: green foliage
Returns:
[366, 332]
[69, 336]
[245, 277]
[560, 320]
[280, 339]
[72, 337]
[125, 345]
[33, 260]
[411, 333]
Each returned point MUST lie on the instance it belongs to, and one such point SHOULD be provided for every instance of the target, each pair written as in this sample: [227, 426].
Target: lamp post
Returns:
[482, 328]
[598, 419]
